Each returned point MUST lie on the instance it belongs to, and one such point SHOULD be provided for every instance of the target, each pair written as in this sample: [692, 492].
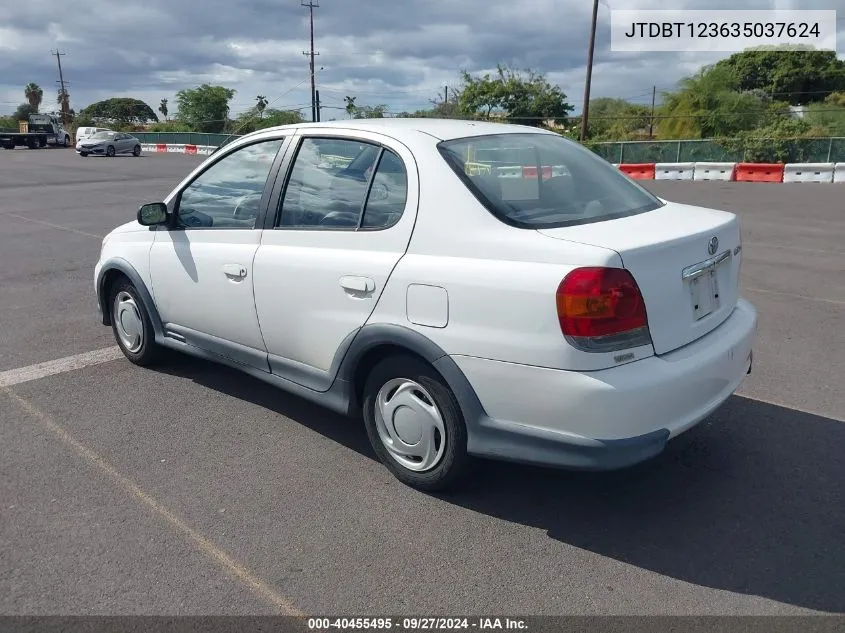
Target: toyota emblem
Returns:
[713, 245]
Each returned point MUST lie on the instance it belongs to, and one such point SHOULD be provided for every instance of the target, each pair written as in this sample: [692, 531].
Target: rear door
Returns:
[685, 259]
[344, 220]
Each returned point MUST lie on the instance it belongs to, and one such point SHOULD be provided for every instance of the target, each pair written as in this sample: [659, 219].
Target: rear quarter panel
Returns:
[500, 281]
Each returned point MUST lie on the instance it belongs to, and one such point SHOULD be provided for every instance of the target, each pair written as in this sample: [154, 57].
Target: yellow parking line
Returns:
[229, 564]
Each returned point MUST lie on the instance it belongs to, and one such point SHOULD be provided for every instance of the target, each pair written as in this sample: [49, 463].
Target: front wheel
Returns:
[83, 154]
[110, 151]
[415, 425]
[131, 324]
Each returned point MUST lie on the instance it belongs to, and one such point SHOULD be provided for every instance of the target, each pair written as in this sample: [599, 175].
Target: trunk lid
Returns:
[688, 289]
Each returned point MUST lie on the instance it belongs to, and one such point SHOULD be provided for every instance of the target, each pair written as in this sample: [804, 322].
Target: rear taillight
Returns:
[602, 310]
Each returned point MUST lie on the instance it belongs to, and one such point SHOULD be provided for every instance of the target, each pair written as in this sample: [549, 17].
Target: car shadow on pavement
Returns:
[751, 501]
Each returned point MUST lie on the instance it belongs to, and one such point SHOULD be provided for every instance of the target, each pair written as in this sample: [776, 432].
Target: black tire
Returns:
[136, 151]
[110, 151]
[455, 463]
[66, 142]
[83, 154]
[150, 352]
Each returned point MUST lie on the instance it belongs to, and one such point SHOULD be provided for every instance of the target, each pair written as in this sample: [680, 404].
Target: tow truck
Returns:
[39, 131]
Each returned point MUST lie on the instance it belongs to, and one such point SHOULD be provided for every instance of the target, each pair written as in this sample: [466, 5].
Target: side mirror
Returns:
[152, 214]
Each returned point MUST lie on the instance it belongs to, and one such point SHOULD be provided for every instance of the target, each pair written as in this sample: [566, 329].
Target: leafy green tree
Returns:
[616, 119]
[162, 107]
[527, 99]
[251, 120]
[836, 99]
[206, 108]
[34, 95]
[709, 105]
[119, 111]
[369, 112]
[23, 111]
[827, 118]
[798, 76]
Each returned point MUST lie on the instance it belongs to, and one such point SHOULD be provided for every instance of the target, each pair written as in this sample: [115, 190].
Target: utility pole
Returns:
[63, 91]
[651, 119]
[446, 94]
[591, 49]
[312, 4]
[317, 103]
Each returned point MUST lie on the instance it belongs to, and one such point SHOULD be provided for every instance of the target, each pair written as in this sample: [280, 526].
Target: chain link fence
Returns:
[751, 150]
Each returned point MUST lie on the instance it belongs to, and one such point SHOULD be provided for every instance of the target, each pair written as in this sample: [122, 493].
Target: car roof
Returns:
[441, 129]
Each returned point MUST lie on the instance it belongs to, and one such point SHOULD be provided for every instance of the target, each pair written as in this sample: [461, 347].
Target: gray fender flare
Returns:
[120, 264]
[372, 336]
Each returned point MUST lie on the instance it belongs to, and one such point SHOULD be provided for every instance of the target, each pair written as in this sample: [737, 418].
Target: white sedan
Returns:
[471, 290]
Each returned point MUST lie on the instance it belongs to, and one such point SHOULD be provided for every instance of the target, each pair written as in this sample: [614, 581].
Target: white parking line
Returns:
[59, 366]
[50, 224]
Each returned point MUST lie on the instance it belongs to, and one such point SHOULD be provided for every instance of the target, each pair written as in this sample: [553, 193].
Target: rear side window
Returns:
[537, 180]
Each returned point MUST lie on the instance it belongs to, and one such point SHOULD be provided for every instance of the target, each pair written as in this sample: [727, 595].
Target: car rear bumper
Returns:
[611, 418]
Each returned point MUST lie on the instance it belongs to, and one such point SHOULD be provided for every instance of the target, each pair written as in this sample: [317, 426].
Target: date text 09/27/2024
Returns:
[417, 623]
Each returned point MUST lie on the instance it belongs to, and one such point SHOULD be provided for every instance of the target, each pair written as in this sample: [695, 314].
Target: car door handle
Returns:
[234, 271]
[357, 284]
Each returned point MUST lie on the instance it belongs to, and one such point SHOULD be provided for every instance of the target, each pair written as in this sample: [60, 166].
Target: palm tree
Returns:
[162, 107]
[350, 106]
[34, 94]
[262, 103]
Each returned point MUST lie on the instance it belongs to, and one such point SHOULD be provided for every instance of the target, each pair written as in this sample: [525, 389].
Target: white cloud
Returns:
[395, 52]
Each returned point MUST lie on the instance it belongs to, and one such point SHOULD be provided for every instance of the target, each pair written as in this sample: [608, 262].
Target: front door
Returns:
[345, 219]
[201, 269]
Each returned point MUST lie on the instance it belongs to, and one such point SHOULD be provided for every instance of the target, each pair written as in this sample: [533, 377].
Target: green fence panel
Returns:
[752, 150]
[837, 150]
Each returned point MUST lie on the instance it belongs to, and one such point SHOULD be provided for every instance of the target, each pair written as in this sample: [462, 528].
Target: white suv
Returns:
[470, 289]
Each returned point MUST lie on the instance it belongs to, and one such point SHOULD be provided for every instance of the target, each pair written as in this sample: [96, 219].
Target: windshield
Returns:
[537, 180]
[104, 135]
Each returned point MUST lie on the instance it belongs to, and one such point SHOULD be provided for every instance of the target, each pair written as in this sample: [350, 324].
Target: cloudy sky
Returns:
[395, 52]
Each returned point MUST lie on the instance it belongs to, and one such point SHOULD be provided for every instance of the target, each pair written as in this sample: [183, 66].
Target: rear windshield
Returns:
[537, 180]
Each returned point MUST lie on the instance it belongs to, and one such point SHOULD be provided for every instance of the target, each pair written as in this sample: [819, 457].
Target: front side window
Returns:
[228, 194]
[344, 184]
[537, 180]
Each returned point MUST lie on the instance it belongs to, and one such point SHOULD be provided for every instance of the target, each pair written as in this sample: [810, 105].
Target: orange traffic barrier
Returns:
[161, 147]
[759, 172]
[190, 149]
[530, 172]
[639, 171]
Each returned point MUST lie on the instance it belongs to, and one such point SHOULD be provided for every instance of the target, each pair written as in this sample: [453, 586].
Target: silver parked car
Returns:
[108, 143]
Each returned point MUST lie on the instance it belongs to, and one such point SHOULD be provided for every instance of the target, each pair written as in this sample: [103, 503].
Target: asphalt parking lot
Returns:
[193, 489]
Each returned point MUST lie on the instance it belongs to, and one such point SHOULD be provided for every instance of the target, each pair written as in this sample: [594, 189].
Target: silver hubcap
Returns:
[410, 425]
[128, 322]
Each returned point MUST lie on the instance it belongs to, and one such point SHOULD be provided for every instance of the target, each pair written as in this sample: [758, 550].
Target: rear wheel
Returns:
[415, 425]
[110, 150]
[66, 142]
[131, 324]
[136, 151]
